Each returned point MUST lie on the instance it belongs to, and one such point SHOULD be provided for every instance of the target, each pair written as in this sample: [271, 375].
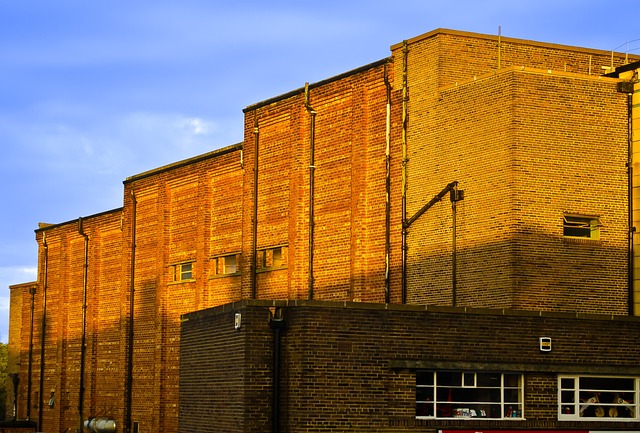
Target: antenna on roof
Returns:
[499, 44]
[626, 51]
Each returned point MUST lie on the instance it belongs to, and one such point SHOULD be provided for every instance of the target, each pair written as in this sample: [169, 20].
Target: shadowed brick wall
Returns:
[351, 366]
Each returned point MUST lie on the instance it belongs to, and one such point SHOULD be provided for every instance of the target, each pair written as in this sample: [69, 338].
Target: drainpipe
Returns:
[44, 327]
[455, 195]
[628, 88]
[83, 349]
[312, 169]
[32, 292]
[387, 229]
[405, 98]
[254, 222]
[277, 323]
[632, 228]
[129, 380]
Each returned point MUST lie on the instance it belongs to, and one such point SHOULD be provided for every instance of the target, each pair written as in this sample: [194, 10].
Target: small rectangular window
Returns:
[602, 398]
[226, 265]
[581, 226]
[182, 272]
[272, 258]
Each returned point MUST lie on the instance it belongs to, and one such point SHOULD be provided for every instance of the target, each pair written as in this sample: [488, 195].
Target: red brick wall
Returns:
[349, 188]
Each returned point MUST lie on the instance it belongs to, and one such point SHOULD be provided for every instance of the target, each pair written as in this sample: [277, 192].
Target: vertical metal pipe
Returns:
[454, 280]
[32, 292]
[277, 323]
[129, 380]
[254, 221]
[43, 330]
[405, 98]
[631, 227]
[83, 337]
[312, 168]
[387, 228]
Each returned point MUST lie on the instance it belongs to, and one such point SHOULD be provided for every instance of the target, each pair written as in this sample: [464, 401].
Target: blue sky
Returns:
[92, 92]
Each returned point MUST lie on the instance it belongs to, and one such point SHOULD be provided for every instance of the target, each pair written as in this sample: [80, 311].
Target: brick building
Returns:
[438, 240]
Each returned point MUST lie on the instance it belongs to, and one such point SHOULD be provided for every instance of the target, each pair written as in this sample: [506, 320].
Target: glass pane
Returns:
[186, 271]
[607, 383]
[424, 393]
[230, 264]
[469, 379]
[512, 395]
[489, 380]
[512, 380]
[424, 409]
[449, 378]
[567, 396]
[513, 411]
[277, 257]
[567, 383]
[424, 377]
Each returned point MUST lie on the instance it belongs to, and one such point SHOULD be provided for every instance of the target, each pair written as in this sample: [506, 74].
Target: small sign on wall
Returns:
[545, 344]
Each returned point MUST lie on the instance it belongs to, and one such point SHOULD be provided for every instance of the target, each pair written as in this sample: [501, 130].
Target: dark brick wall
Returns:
[351, 367]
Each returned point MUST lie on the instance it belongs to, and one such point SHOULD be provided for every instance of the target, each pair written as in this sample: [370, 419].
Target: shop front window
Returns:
[597, 398]
[458, 394]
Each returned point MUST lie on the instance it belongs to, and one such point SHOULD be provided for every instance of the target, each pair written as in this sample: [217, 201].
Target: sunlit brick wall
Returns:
[349, 187]
[540, 136]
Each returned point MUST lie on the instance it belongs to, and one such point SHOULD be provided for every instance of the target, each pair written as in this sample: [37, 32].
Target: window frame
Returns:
[272, 258]
[436, 399]
[220, 265]
[603, 405]
[576, 226]
[180, 273]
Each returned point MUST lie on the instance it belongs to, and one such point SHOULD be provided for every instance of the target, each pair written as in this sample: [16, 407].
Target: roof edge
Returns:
[445, 31]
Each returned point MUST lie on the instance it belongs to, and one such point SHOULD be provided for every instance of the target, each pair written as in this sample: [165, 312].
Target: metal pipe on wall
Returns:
[312, 169]
[32, 292]
[387, 229]
[83, 338]
[129, 378]
[44, 327]
[405, 99]
[254, 222]
[631, 227]
[277, 323]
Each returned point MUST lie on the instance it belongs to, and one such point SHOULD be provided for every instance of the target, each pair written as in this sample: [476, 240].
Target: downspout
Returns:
[632, 228]
[387, 232]
[254, 222]
[312, 169]
[83, 349]
[405, 98]
[628, 88]
[277, 323]
[32, 292]
[44, 328]
[454, 195]
[129, 381]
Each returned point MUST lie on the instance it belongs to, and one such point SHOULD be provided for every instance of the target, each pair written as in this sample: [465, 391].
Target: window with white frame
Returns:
[598, 397]
[581, 226]
[181, 272]
[468, 394]
[226, 265]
